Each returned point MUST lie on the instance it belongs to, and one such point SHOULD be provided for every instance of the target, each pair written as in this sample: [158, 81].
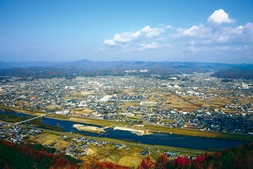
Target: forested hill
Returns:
[102, 68]
[243, 71]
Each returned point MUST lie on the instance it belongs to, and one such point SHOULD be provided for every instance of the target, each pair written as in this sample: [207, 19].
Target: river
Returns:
[174, 140]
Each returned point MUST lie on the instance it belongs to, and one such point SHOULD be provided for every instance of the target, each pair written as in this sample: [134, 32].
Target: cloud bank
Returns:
[218, 34]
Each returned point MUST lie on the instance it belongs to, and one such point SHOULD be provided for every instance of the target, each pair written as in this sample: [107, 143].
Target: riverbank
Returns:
[134, 131]
[81, 127]
[151, 128]
[163, 129]
[204, 134]
[61, 144]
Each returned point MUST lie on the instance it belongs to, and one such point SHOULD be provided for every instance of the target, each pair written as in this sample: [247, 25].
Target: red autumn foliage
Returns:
[182, 162]
[6, 143]
[27, 151]
[201, 158]
[217, 154]
[34, 157]
[161, 162]
[63, 163]
[146, 163]
[199, 162]
[106, 165]
[232, 158]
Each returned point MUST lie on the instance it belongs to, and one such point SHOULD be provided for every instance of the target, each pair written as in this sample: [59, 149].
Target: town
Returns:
[197, 101]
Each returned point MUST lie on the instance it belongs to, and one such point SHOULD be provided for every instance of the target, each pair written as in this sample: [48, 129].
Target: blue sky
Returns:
[109, 30]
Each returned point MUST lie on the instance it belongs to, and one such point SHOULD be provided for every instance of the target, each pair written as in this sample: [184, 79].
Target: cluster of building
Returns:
[137, 100]
[81, 146]
[204, 120]
[16, 134]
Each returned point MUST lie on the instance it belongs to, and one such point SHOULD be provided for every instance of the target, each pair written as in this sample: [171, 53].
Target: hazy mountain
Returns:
[103, 68]
[244, 71]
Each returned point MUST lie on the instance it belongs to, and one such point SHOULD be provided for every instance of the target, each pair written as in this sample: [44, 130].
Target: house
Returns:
[145, 153]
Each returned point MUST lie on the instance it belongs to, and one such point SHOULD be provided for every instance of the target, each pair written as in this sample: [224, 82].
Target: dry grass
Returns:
[76, 94]
[129, 161]
[130, 104]
[47, 139]
[107, 159]
[54, 107]
[61, 144]
[81, 111]
[246, 100]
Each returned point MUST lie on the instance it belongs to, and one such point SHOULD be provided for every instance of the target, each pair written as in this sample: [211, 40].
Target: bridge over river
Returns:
[32, 119]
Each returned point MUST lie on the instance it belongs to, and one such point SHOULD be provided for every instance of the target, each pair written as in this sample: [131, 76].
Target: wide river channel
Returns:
[174, 140]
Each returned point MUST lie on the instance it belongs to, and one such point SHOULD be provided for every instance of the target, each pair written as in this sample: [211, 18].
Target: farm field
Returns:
[129, 157]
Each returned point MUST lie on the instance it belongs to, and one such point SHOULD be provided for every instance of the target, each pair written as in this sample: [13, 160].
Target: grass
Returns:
[58, 116]
[132, 118]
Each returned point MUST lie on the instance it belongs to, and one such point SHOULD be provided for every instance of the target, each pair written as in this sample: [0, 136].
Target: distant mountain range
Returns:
[102, 68]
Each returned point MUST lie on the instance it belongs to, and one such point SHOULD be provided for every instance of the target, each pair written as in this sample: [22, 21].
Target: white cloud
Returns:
[199, 39]
[148, 46]
[199, 31]
[151, 32]
[208, 35]
[109, 42]
[143, 39]
[248, 28]
[191, 31]
[124, 37]
[196, 49]
[168, 27]
[237, 30]
[223, 38]
[146, 32]
[220, 16]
